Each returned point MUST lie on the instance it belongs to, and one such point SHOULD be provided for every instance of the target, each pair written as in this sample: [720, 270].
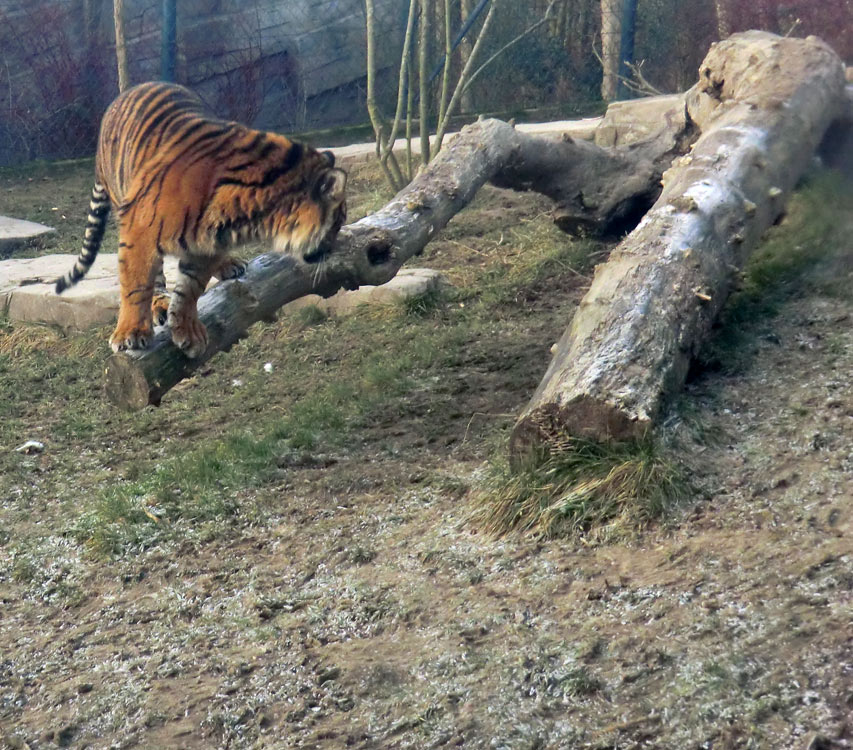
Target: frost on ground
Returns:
[290, 563]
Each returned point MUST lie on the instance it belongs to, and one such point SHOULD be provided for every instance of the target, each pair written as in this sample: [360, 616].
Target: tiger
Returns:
[184, 182]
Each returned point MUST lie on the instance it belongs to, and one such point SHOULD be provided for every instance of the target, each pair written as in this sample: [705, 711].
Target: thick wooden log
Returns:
[372, 250]
[762, 104]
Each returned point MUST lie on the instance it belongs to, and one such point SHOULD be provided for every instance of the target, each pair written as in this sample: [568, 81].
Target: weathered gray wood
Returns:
[603, 192]
[762, 103]
[372, 250]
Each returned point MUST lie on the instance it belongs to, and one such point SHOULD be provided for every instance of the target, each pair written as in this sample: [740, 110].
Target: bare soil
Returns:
[332, 591]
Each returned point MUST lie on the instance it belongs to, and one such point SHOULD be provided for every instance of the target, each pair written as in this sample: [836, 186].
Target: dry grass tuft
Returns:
[17, 340]
[592, 490]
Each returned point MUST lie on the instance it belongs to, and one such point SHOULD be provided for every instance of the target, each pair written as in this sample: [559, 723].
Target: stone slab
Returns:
[632, 120]
[409, 282]
[27, 295]
[17, 232]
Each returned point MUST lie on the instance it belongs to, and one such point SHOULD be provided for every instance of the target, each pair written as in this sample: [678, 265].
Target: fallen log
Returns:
[762, 104]
[372, 250]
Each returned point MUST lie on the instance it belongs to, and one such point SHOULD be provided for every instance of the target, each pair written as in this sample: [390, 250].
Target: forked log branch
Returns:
[762, 104]
[594, 188]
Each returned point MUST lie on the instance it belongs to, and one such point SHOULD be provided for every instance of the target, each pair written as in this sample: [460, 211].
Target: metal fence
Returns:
[299, 65]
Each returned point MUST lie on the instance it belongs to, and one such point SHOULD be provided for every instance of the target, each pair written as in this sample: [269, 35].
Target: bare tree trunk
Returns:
[445, 18]
[466, 103]
[724, 23]
[560, 24]
[372, 250]
[384, 139]
[762, 103]
[121, 46]
[423, 84]
[611, 24]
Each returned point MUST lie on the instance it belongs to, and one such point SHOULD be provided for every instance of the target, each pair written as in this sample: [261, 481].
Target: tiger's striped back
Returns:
[147, 120]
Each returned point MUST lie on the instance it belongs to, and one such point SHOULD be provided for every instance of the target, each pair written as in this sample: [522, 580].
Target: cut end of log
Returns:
[556, 428]
[125, 384]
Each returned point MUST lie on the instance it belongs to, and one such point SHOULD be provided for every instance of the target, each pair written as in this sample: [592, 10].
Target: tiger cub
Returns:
[185, 183]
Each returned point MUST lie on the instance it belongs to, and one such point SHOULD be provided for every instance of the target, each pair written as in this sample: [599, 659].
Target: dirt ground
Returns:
[284, 557]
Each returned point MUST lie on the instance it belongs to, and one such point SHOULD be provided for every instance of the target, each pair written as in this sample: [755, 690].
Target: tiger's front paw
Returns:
[231, 268]
[125, 337]
[189, 335]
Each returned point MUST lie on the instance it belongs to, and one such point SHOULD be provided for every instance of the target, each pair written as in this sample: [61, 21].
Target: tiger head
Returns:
[310, 227]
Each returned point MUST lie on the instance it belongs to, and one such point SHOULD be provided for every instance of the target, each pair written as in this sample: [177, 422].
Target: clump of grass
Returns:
[424, 304]
[588, 489]
[311, 315]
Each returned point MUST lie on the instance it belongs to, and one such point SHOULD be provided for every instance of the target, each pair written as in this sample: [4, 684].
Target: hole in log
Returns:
[611, 225]
[379, 253]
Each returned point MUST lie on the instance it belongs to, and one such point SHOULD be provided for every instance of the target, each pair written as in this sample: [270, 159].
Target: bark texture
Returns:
[594, 188]
[121, 46]
[762, 104]
[611, 35]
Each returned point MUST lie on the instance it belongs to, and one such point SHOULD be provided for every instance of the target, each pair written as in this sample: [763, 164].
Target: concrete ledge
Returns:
[17, 232]
[27, 294]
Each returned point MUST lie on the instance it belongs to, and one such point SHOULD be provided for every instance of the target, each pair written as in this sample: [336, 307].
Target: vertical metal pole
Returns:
[168, 40]
[626, 43]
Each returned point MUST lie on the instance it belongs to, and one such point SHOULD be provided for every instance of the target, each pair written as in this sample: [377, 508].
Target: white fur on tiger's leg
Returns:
[161, 299]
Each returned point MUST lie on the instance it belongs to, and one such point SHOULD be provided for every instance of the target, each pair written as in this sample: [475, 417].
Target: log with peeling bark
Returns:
[594, 188]
[762, 104]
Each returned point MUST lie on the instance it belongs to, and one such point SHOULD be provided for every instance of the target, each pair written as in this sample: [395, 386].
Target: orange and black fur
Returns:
[188, 184]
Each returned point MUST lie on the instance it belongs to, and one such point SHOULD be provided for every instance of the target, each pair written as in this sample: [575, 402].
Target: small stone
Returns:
[30, 447]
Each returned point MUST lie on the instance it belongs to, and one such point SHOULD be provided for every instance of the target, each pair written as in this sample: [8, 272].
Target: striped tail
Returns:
[96, 224]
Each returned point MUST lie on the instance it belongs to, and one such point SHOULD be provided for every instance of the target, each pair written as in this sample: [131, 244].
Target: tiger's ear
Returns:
[330, 158]
[333, 185]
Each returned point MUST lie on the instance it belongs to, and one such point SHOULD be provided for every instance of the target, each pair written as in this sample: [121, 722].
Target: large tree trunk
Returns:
[611, 35]
[599, 189]
[121, 45]
[762, 104]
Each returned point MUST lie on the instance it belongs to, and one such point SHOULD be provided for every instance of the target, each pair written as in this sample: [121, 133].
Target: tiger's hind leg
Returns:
[161, 299]
[138, 263]
[188, 332]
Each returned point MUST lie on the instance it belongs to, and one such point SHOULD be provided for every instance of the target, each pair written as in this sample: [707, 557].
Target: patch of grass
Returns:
[540, 253]
[217, 479]
[790, 258]
[590, 488]
[424, 304]
[310, 315]
[197, 486]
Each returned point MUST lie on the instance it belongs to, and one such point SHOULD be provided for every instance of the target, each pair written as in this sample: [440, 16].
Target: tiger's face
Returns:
[311, 227]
